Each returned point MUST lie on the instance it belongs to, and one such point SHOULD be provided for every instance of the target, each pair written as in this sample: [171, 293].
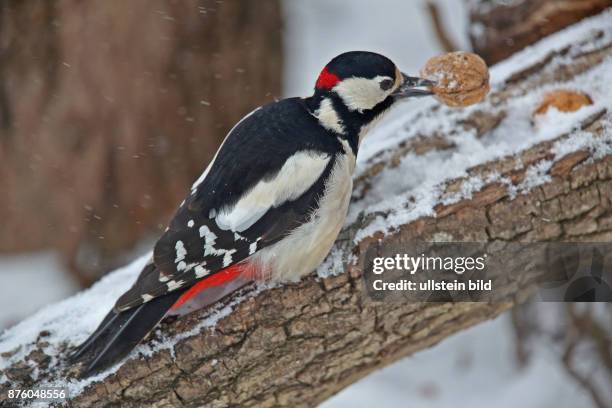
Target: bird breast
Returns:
[307, 246]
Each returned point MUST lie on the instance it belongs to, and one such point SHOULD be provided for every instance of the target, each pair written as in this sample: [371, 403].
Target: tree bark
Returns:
[109, 110]
[499, 29]
[298, 344]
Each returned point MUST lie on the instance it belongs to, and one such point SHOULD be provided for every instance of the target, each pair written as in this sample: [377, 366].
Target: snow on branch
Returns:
[485, 173]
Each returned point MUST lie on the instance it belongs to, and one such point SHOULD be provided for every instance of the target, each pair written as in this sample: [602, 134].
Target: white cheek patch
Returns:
[296, 176]
[361, 94]
[328, 117]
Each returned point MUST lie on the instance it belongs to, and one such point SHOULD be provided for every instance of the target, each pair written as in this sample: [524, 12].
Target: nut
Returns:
[462, 78]
[563, 100]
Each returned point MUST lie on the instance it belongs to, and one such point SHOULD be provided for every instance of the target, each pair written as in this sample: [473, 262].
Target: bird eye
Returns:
[386, 84]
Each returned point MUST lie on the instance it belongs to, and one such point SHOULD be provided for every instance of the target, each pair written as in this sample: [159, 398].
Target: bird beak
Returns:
[413, 86]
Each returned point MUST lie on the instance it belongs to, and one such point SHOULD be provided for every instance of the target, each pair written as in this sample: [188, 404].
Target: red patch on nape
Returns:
[327, 80]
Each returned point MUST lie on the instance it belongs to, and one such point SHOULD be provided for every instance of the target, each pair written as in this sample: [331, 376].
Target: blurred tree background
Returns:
[109, 110]
[499, 28]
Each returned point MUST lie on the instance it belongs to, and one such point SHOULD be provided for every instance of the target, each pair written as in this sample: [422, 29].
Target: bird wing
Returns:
[263, 183]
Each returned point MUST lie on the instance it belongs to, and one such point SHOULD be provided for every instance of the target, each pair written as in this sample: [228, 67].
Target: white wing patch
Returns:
[227, 256]
[180, 251]
[210, 239]
[306, 246]
[296, 176]
[200, 271]
[173, 284]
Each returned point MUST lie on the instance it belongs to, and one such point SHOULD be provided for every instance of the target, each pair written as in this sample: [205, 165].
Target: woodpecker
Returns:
[269, 206]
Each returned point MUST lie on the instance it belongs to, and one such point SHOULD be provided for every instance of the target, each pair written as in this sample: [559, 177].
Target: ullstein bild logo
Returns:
[489, 272]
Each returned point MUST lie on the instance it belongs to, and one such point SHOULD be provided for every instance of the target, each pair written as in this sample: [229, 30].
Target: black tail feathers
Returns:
[119, 333]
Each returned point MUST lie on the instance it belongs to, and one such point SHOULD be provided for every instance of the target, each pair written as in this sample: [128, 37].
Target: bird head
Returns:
[363, 80]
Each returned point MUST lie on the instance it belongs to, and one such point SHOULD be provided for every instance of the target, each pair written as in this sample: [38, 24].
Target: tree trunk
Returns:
[109, 110]
[298, 344]
[499, 29]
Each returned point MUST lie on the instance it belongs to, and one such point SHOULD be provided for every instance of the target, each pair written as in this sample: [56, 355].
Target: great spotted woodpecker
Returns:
[268, 206]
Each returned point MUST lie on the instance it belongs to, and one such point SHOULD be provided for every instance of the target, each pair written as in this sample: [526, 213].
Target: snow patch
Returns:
[70, 322]
[414, 187]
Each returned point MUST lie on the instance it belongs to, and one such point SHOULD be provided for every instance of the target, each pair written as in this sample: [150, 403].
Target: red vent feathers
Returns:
[327, 80]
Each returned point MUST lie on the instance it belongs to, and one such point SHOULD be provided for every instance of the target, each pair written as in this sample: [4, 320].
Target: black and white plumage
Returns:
[269, 205]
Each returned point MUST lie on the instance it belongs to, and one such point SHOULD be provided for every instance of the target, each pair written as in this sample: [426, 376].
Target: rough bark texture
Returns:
[298, 344]
[498, 29]
[109, 110]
